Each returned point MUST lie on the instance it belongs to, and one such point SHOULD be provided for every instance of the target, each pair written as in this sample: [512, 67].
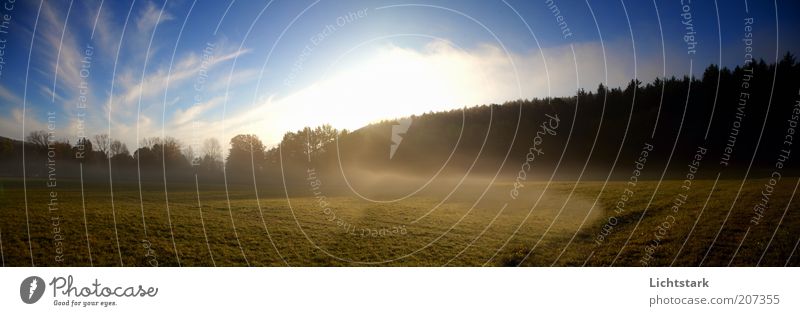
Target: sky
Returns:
[200, 69]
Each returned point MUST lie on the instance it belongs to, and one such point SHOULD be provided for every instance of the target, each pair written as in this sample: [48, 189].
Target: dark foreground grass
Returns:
[188, 226]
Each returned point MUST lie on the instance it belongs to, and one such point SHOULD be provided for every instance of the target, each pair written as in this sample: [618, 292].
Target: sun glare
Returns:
[394, 82]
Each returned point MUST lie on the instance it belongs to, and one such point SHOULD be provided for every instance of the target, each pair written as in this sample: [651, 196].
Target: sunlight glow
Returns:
[395, 82]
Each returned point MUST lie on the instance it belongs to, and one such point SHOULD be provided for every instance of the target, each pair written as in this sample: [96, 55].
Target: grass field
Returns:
[187, 229]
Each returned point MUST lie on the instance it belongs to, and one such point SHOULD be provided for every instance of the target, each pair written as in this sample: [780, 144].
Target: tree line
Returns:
[155, 156]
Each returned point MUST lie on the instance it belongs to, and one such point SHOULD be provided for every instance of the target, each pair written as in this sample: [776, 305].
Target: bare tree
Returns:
[103, 143]
[118, 148]
[150, 141]
[38, 139]
[188, 154]
[171, 145]
[212, 149]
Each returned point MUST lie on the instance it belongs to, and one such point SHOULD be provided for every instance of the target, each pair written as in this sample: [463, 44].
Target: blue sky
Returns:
[203, 69]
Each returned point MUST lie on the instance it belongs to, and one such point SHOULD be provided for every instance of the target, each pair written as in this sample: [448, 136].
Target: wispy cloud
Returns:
[106, 32]
[11, 124]
[154, 83]
[9, 96]
[150, 17]
[183, 116]
[62, 53]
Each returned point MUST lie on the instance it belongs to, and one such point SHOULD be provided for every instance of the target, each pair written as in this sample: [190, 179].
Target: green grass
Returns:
[366, 233]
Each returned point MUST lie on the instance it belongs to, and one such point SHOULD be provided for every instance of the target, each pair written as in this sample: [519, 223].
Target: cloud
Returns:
[61, 52]
[183, 116]
[236, 78]
[107, 27]
[52, 94]
[150, 17]
[154, 83]
[10, 97]
[106, 34]
[11, 125]
[137, 95]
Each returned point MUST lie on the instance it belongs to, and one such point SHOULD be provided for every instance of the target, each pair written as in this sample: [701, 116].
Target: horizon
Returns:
[226, 145]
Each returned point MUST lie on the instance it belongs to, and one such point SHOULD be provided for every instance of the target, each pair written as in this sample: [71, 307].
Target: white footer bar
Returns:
[398, 291]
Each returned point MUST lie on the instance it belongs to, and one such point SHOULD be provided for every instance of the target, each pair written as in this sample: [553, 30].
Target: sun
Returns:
[392, 83]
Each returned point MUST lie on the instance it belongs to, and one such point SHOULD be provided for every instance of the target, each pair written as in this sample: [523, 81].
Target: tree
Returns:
[83, 149]
[212, 149]
[6, 147]
[145, 156]
[149, 142]
[210, 159]
[601, 90]
[188, 153]
[308, 142]
[170, 149]
[633, 84]
[103, 143]
[118, 148]
[120, 155]
[39, 139]
[322, 136]
[246, 154]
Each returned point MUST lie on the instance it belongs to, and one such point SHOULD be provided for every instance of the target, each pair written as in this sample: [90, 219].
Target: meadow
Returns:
[572, 224]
